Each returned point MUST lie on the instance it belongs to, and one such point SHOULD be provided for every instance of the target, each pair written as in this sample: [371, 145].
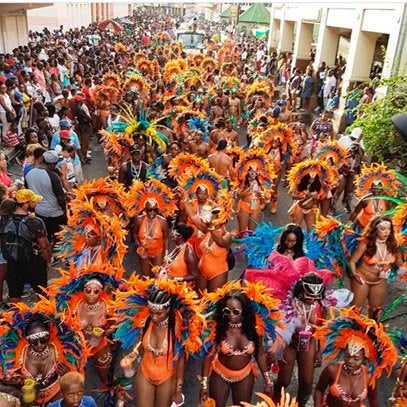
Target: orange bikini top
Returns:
[157, 234]
[337, 390]
[226, 349]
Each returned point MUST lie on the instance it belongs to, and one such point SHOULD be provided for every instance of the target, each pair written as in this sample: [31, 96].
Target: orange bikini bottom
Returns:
[246, 207]
[326, 405]
[233, 376]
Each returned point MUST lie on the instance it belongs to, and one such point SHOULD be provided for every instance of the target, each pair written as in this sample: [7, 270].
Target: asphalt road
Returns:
[191, 388]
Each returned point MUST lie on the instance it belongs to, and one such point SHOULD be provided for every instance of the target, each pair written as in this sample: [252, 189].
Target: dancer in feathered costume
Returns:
[86, 293]
[240, 319]
[374, 180]
[253, 186]
[153, 202]
[160, 319]
[399, 394]
[310, 181]
[278, 143]
[108, 197]
[116, 147]
[92, 238]
[361, 351]
[260, 89]
[375, 261]
[104, 97]
[38, 346]
[302, 289]
[186, 163]
[201, 192]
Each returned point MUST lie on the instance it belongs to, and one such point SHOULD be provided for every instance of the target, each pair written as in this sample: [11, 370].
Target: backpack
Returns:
[15, 240]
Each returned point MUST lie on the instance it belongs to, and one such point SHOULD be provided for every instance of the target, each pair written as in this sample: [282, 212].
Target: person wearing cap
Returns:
[18, 274]
[285, 114]
[133, 169]
[44, 181]
[65, 125]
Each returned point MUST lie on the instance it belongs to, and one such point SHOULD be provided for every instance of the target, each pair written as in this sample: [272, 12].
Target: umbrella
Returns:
[125, 20]
[110, 25]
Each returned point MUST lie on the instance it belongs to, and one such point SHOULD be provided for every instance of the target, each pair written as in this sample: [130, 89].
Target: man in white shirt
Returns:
[259, 57]
[329, 86]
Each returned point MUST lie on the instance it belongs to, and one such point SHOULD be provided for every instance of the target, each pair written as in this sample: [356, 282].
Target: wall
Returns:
[70, 15]
[120, 10]
[13, 31]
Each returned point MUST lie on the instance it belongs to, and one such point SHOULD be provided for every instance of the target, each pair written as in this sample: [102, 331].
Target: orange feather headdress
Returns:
[112, 79]
[132, 313]
[137, 81]
[154, 191]
[186, 162]
[105, 96]
[64, 335]
[332, 152]
[355, 332]
[116, 145]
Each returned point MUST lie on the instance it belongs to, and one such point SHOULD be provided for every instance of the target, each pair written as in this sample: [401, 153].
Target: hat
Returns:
[50, 157]
[276, 111]
[65, 123]
[64, 133]
[282, 103]
[135, 149]
[26, 195]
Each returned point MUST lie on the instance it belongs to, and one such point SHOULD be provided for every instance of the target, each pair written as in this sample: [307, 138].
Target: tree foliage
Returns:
[380, 137]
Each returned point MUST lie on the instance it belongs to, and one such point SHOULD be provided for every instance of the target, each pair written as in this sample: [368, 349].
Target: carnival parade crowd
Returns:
[170, 123]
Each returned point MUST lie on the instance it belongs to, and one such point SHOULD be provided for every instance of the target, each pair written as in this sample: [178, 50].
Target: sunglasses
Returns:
[89, 290]
[152, 209]
[234, 311]
[39, 341]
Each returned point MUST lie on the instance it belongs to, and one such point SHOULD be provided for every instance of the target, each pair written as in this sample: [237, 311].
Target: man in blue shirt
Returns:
[73, 139]
[72, 389]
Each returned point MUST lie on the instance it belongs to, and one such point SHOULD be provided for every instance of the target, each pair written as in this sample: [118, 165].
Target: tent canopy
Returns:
[255, 14]
[226, 13]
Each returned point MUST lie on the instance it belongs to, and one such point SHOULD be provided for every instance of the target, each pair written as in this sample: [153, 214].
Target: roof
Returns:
[257, 13]
[226, 13]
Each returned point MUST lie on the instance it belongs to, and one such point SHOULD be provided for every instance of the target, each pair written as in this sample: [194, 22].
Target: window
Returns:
[191, 40]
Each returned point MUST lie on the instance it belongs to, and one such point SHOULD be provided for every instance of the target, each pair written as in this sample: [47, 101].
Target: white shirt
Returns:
[329, 85]
[259, 54]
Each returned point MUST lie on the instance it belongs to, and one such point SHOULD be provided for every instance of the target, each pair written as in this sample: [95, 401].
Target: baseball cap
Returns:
[282, 102]
[135, 149]
[64, 133]
[65, 123]
[26, 195]
[50, 157]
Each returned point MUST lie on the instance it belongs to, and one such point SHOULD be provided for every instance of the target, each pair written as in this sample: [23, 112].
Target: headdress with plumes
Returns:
[208, 64]
[285, 272]
[202, 125]
[373, 174]
[258, 159]
[112, 79]
[173, 68]
[285, 401]
[143, 126]
[137, 81]
[332, 151]
[210, 180]
[349, 327]
[235, 153]
[259, 87]
[131, 313]
[141, 192]
[109, 229]
[230, 84]
[320, 168]
[186, 162]
[282, 132]
[400, 342]
[105, 96]
[116, 144]
[64, 331]
[263, 304]
[119, 47]
[68, 288]
[102, 188]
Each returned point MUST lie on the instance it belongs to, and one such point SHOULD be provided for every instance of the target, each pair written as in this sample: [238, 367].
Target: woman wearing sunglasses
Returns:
[42, 346]
[87, 292]
[234, 339]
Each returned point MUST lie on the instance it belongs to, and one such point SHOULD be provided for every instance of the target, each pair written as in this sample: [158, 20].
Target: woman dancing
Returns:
[234, 336]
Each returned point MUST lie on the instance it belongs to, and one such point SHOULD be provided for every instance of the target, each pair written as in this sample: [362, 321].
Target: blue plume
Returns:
[202, 125]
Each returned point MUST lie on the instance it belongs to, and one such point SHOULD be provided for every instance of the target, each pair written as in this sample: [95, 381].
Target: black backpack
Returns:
[15, 239]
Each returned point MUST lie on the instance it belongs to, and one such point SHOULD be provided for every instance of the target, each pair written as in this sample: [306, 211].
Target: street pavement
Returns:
[97, 169]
